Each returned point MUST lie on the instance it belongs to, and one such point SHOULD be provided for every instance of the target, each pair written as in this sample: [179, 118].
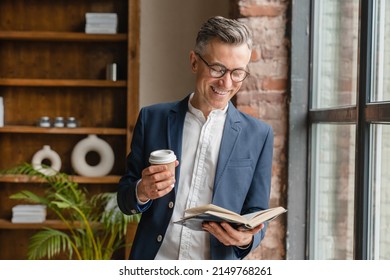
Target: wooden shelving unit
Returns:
[78, 179]
[51, 67]
[61, 36]
[52, 130]
[55, 224]
[61, 83]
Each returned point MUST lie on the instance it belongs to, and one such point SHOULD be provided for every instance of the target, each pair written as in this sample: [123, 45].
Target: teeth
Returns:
[220, 92]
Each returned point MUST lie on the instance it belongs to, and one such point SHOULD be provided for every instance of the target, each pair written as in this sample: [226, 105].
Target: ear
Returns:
[193, 62]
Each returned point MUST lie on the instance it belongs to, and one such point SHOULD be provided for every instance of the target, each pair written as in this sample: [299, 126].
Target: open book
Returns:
[211, 213]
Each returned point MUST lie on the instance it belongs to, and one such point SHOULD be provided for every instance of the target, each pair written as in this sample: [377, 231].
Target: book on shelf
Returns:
[94, 17]
[194, 217]
[25, 213]
[101, 23]
[27, 220]
[29, 208]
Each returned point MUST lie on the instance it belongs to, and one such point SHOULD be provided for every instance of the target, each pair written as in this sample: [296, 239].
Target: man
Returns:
[225, 157]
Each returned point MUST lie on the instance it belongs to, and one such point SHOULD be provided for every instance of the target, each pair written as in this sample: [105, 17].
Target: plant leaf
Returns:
[60, 204]
[48, 243]
[30, 197]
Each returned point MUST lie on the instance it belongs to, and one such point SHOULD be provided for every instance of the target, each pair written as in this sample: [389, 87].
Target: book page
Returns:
[209, 207]
[215, 213]
[266, 216]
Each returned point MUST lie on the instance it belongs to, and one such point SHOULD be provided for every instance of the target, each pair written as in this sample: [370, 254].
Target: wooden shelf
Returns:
[61, 83]
[112, 179]
[62, 130]
[55, 224]
[51, 67]
[61, 36]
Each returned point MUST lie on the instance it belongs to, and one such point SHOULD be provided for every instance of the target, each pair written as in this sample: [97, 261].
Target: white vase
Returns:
[46, 153]
[92, 144]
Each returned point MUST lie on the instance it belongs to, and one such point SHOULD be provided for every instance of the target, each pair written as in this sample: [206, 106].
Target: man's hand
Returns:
[156, 182]
[230, 236]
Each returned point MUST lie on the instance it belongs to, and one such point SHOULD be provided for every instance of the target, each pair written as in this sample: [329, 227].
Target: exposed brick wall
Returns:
[265, 95]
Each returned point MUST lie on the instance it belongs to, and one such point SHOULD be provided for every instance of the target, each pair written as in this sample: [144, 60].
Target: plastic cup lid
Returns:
[162, 157]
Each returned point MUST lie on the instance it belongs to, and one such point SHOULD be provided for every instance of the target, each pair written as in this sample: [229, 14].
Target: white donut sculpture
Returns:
[46, 153]
[92, 144]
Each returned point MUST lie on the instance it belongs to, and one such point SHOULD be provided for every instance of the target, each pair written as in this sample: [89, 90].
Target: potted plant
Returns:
[95, 228]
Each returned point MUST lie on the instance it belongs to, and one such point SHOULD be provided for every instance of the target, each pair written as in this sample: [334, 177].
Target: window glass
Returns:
[380, 236]
[332, 193]
[335, 53]
[335, 50]
[381, 51]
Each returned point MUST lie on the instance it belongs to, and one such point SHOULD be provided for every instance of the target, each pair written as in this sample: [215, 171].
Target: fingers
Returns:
[156, 182]
[229, 236]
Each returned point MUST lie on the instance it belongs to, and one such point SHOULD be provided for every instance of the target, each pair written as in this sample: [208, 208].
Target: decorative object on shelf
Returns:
[101, 23]
[44, 122]
[59, 122]
[95, 228]
[92, 144]
[47, 153]
[1, 111]
[25, 213]
[111, 72]
[71, 122]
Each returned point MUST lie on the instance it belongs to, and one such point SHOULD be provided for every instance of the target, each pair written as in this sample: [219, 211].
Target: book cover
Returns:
[194, 217]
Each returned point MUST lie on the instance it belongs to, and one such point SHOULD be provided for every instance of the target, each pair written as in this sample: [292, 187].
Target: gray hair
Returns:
[229, 31]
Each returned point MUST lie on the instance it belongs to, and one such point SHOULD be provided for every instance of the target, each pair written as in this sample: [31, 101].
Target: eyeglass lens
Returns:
[217, 71]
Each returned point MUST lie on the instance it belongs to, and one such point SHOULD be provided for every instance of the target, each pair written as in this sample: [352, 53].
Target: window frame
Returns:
[302, 118]
[297, 214]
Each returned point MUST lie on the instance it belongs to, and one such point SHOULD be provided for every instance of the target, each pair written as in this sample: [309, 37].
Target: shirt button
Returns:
[159, 238]
[170, 205]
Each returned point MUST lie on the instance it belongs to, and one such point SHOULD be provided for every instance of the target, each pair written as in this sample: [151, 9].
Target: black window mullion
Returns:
[362, 135]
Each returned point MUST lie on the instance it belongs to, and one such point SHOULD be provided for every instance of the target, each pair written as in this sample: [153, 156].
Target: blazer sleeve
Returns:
[126, 196]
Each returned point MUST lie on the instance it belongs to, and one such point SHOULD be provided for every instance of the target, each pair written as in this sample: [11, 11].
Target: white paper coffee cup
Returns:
[165, 157]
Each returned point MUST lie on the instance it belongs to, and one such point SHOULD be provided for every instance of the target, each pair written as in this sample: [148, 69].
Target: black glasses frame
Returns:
[220, 73]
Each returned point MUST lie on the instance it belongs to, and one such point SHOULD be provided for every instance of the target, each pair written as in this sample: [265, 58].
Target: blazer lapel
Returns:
[175, 129]
[229, 138]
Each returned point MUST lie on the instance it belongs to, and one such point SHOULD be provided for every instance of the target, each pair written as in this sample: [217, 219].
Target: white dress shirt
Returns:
[200, 149]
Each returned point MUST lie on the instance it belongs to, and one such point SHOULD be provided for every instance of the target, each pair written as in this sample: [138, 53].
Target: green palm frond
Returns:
[30, 197]
[24, 169]
[49, 243]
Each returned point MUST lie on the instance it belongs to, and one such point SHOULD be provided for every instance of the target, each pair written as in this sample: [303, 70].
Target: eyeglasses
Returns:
[218, 71]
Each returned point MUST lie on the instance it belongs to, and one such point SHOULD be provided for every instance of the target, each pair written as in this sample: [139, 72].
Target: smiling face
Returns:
[214, 93]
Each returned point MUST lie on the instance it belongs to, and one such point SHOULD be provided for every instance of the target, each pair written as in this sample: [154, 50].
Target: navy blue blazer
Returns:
[242, 180]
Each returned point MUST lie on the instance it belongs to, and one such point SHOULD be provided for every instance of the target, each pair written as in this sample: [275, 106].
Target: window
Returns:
[335, 50]
[332, 195]
[349, 130]
[380, 240]
[334, 87]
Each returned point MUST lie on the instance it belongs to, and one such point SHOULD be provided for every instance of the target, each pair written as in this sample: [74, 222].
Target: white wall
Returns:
[168, 32]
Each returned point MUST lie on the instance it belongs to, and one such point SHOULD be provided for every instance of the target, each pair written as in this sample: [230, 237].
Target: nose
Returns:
[226, 80]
